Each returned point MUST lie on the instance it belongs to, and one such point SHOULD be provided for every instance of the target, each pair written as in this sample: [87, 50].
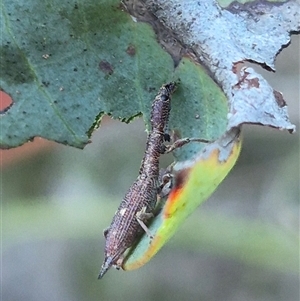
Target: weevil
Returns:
[139, 203]
[192, 183]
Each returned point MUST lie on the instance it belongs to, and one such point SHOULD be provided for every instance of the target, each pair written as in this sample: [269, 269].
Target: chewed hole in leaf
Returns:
[6, 102]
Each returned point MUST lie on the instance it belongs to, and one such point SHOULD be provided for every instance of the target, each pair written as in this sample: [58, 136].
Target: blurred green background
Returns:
[242, 244]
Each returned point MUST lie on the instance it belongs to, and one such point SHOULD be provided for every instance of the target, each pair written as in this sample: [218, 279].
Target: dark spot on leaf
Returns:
[131, 50]
[180, 178]
[5, 102]
[279, 99]
[253, 82]
[236, 68]
[106, 67]
[75, 69]
[75, 6]
[45, 84]
[244, 80]
[14, 68]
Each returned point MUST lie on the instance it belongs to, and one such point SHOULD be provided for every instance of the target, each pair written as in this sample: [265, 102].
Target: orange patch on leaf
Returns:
[180, 179]
[173, 196]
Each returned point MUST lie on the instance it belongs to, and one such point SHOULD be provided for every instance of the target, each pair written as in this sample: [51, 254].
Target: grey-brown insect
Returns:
[140, 200]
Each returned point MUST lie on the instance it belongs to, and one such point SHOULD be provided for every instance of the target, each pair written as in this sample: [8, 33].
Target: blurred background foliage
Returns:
[242, 244]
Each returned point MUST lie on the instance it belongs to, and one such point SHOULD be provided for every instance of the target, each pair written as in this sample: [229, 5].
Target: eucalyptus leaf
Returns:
[65, 64]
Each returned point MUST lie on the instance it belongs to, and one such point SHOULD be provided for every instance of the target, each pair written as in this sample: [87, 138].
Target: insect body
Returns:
[139, 202]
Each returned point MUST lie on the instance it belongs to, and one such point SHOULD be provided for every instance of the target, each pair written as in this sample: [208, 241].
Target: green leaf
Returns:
[66, 64]
[62, 79]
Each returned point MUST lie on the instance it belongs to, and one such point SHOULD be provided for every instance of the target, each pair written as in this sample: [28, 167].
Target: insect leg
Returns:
[142, 217]
[165, 182]
[181, 142]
